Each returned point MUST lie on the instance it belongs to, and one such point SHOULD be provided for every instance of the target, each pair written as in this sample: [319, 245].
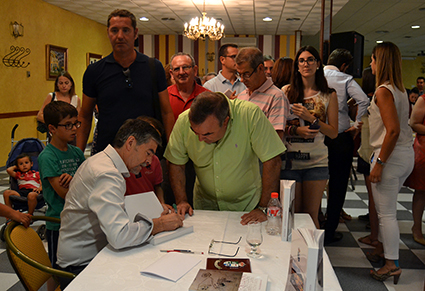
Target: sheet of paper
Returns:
[172, 266]
[253, 282]
[145, 203]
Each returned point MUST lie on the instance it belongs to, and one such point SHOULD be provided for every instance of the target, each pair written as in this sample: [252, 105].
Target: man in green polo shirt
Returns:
[224, 139]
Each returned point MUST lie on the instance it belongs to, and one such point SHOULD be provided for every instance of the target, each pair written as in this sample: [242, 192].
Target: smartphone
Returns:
[314, 125]
[228, 93]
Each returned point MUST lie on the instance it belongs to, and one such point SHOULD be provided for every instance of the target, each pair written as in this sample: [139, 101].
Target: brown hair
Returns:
[295, 92]
[282, 72]
[68, 76]
[123, 13]
[388, 65]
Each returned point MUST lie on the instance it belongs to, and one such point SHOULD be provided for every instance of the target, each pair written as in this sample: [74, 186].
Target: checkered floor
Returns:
[347, 256]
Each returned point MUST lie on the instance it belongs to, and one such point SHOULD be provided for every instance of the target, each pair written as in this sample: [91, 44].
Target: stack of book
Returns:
[306, 260]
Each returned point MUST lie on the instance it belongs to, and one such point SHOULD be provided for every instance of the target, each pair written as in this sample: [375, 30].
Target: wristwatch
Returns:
[379, 161]
[264, 209]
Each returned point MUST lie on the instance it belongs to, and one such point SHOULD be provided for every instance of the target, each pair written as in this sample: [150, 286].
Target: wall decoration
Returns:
[13, 59]
[56, 61]
[92, 58]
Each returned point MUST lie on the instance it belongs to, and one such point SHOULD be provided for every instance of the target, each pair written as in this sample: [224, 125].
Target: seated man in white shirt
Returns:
[94, 214]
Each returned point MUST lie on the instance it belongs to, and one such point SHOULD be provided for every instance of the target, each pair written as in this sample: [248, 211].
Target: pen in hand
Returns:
[182, 251]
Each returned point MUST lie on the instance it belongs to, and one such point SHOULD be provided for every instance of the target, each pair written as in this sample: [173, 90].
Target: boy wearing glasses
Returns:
[58, 163]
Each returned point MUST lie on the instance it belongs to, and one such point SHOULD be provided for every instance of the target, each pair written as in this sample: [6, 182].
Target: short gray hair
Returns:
[251, 55]
[182, 54]
[142, 131]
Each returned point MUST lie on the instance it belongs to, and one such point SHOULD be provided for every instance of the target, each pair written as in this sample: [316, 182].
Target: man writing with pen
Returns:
[149, 178]
[94, 214]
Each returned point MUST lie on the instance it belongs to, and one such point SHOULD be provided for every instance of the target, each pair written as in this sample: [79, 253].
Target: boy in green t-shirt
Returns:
[58, 163]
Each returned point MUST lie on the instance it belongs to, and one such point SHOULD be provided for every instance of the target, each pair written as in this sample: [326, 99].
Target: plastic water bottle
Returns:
[274, 215]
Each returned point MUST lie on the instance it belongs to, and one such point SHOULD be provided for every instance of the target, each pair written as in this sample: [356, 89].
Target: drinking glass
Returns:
[254, 238]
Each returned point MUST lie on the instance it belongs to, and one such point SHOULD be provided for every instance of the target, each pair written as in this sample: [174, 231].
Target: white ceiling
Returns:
[366, 17]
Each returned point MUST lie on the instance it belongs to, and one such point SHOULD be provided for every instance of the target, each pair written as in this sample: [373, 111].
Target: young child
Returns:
[28, 182]
[58, 163]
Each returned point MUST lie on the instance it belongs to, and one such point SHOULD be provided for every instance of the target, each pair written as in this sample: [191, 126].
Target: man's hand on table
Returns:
[183, 208]
[254, 215]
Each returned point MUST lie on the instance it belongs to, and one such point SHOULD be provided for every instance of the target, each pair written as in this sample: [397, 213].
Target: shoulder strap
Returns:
[53, 96]
[155, 98]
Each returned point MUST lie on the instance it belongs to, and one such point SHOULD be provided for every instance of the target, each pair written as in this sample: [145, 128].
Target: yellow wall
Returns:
[43, 24]
[411, 69]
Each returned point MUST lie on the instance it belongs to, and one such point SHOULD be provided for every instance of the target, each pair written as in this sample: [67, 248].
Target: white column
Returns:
[268, 46]
[187, 45]
[148, 48]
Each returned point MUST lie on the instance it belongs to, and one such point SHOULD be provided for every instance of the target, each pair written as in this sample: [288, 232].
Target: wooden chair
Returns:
[28, 256]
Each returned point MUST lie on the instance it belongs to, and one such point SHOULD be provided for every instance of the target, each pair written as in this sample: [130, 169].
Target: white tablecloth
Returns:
[120, 269]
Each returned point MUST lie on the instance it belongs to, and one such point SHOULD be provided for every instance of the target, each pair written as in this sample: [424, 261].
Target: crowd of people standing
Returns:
[230, 141]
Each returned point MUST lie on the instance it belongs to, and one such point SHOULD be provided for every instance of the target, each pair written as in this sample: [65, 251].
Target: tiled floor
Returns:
[347, 256]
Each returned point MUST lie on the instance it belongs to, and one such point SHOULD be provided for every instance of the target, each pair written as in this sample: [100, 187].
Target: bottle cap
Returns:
[275, 195]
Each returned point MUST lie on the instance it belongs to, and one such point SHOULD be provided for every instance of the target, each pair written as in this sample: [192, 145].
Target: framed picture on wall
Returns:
[92, 58]
[56, 61]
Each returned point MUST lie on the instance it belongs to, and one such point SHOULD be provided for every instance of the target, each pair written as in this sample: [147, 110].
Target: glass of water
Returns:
[254, 238]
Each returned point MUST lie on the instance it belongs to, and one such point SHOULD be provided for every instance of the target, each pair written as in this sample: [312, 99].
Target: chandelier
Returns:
[203, 27]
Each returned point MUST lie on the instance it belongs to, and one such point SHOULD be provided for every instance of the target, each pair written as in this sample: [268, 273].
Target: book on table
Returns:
[148, 204]
[287, 199]
[228, 281]
[229, 264]
[306, 260]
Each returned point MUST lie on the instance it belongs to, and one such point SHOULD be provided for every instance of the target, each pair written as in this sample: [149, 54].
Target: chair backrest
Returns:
[28, 256]
[29, 243]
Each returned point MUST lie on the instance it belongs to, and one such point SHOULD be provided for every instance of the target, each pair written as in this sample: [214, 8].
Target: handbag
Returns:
[42, 127]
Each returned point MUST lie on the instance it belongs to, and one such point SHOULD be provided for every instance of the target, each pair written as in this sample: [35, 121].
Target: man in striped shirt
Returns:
[260, 89]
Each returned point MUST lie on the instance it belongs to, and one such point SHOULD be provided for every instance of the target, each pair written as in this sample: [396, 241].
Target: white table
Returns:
[120, 269]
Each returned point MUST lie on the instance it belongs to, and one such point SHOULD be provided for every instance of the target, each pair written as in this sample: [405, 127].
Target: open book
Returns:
[306, 260]
[148, 204]
[287, 199]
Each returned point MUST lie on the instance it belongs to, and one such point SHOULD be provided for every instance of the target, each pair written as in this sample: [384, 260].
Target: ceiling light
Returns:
[415, 26]
[382, 31]
[292, 19]
[267, 19]
[379, 41]
[167, 19]
[144, 18]
[203, 27]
